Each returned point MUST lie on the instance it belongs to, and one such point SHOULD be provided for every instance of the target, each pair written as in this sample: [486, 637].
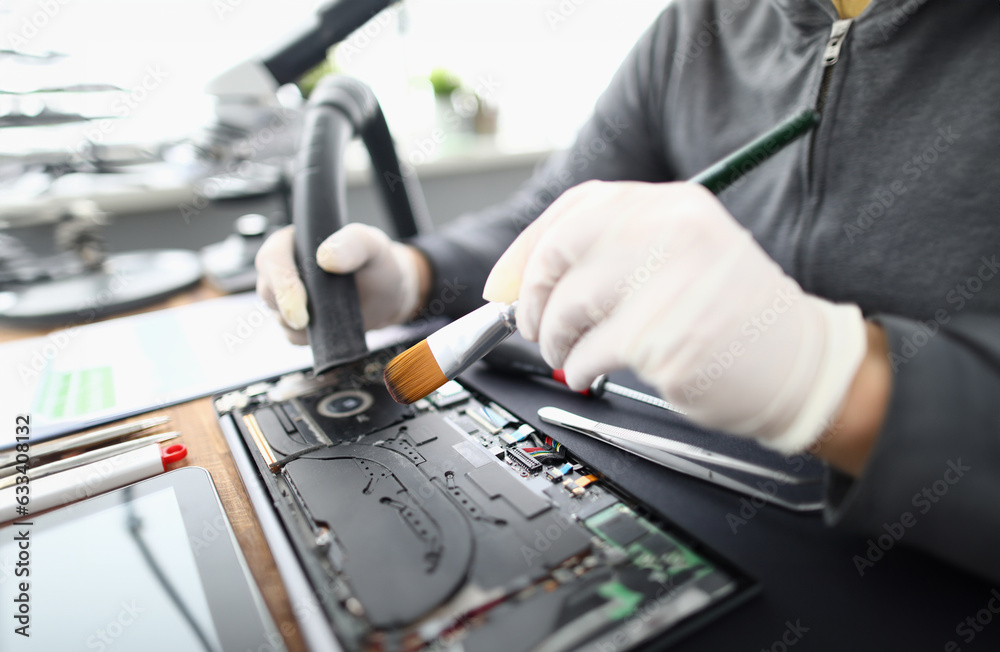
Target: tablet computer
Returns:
[152, 566]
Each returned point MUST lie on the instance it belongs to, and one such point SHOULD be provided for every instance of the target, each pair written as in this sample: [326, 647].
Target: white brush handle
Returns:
[464, 341]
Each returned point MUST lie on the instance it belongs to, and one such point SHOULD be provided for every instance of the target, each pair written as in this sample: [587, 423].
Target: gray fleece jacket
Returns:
[894, 204]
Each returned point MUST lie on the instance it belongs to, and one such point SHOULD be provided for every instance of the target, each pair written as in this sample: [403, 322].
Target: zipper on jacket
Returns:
[831, 54]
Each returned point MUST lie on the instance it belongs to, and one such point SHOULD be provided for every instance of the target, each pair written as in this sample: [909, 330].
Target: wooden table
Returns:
[207, 448]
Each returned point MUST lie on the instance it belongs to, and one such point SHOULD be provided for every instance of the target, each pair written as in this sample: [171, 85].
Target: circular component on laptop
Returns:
[347, 403]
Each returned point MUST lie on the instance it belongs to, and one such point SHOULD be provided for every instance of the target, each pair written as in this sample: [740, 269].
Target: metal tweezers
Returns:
[62, 444]
[677, 456]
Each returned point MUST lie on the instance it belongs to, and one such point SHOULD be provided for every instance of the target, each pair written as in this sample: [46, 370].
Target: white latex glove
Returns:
[385, 272]
[661, 279]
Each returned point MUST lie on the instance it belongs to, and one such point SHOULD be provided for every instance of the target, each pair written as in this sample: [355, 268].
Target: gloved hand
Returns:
[660, 278]
[386, 272]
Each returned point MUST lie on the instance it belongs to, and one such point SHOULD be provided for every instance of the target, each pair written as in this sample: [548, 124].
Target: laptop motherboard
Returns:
[451, 524]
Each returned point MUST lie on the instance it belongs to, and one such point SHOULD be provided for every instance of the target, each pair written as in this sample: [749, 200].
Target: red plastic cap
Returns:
[173, 453]
[559, 376]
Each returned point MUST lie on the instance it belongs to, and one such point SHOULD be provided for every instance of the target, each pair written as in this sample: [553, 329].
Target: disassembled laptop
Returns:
[452, 524]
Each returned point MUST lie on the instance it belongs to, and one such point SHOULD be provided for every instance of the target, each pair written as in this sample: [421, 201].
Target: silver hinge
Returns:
[837, 33]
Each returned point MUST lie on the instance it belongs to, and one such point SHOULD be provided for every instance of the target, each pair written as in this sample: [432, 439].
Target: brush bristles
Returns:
[413, 374]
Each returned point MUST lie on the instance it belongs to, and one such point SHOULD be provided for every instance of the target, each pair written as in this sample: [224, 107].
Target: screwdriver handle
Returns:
[519, 357]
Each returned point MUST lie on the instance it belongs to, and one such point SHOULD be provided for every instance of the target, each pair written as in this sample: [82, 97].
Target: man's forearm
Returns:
[425, 278]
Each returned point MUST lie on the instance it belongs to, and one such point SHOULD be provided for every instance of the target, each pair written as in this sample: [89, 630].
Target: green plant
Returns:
[444, 82]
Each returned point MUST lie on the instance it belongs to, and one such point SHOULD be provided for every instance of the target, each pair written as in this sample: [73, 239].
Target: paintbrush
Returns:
[418, 371]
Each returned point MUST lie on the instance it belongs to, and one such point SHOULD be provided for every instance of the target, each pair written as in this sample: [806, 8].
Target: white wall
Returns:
[543, 61]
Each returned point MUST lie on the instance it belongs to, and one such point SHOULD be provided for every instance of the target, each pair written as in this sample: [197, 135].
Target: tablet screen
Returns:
[124, 576]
